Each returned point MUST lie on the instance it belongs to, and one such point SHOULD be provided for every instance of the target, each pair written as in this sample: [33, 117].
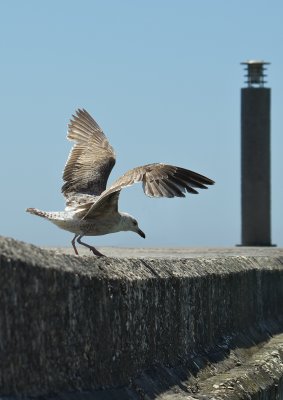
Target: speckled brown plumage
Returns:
[91, 209]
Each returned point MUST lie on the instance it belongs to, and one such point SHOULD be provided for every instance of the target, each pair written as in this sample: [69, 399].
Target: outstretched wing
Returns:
[159, 180]
[91, 159]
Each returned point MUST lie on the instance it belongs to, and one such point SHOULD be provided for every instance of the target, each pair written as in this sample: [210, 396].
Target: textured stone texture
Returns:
[72, 323]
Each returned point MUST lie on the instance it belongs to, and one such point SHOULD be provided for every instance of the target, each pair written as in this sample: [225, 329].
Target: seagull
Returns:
[91, 208]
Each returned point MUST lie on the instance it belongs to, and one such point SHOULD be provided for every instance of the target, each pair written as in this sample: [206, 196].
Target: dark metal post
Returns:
[255, 163]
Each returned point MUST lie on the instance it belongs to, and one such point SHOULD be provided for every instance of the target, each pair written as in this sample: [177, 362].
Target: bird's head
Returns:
[129, 223]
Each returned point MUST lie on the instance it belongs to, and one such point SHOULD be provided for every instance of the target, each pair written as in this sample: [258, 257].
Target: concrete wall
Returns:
[80, 323]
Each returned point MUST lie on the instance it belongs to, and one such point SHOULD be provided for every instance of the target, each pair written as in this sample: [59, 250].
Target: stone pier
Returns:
[207, 325]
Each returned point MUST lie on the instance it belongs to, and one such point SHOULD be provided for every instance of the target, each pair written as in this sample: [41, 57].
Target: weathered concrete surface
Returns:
[177, 252]
[156, 328]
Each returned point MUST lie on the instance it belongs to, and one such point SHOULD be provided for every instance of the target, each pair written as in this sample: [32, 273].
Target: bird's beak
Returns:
[140, 232]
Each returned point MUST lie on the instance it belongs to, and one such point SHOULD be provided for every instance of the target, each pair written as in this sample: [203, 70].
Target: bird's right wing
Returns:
[159, 180]
[90, 160]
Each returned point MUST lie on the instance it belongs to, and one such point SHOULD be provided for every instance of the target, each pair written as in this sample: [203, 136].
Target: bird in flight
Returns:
[91, 208]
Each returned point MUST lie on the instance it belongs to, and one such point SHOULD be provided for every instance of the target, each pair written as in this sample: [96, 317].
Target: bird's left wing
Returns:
[159, 180]
[91, 158]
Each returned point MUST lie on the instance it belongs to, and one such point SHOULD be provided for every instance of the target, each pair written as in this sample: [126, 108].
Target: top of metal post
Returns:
[255, 73]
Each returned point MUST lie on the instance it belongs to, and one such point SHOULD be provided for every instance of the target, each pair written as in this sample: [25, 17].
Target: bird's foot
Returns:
[91, 248]
[96, 252]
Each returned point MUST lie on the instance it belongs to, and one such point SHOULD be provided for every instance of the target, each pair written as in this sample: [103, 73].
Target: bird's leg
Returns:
[74, 244]
[93, 249]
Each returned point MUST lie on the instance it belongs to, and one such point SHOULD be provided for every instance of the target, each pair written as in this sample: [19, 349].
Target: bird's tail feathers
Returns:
[43, 214]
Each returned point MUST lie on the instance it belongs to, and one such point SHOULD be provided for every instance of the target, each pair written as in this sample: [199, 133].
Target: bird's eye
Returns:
[135, 222]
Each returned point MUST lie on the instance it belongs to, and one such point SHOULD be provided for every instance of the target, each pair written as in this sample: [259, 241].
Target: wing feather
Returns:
[159, 180]
[91, 159]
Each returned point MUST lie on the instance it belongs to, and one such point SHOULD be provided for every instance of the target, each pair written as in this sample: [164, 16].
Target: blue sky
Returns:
[163, 79]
